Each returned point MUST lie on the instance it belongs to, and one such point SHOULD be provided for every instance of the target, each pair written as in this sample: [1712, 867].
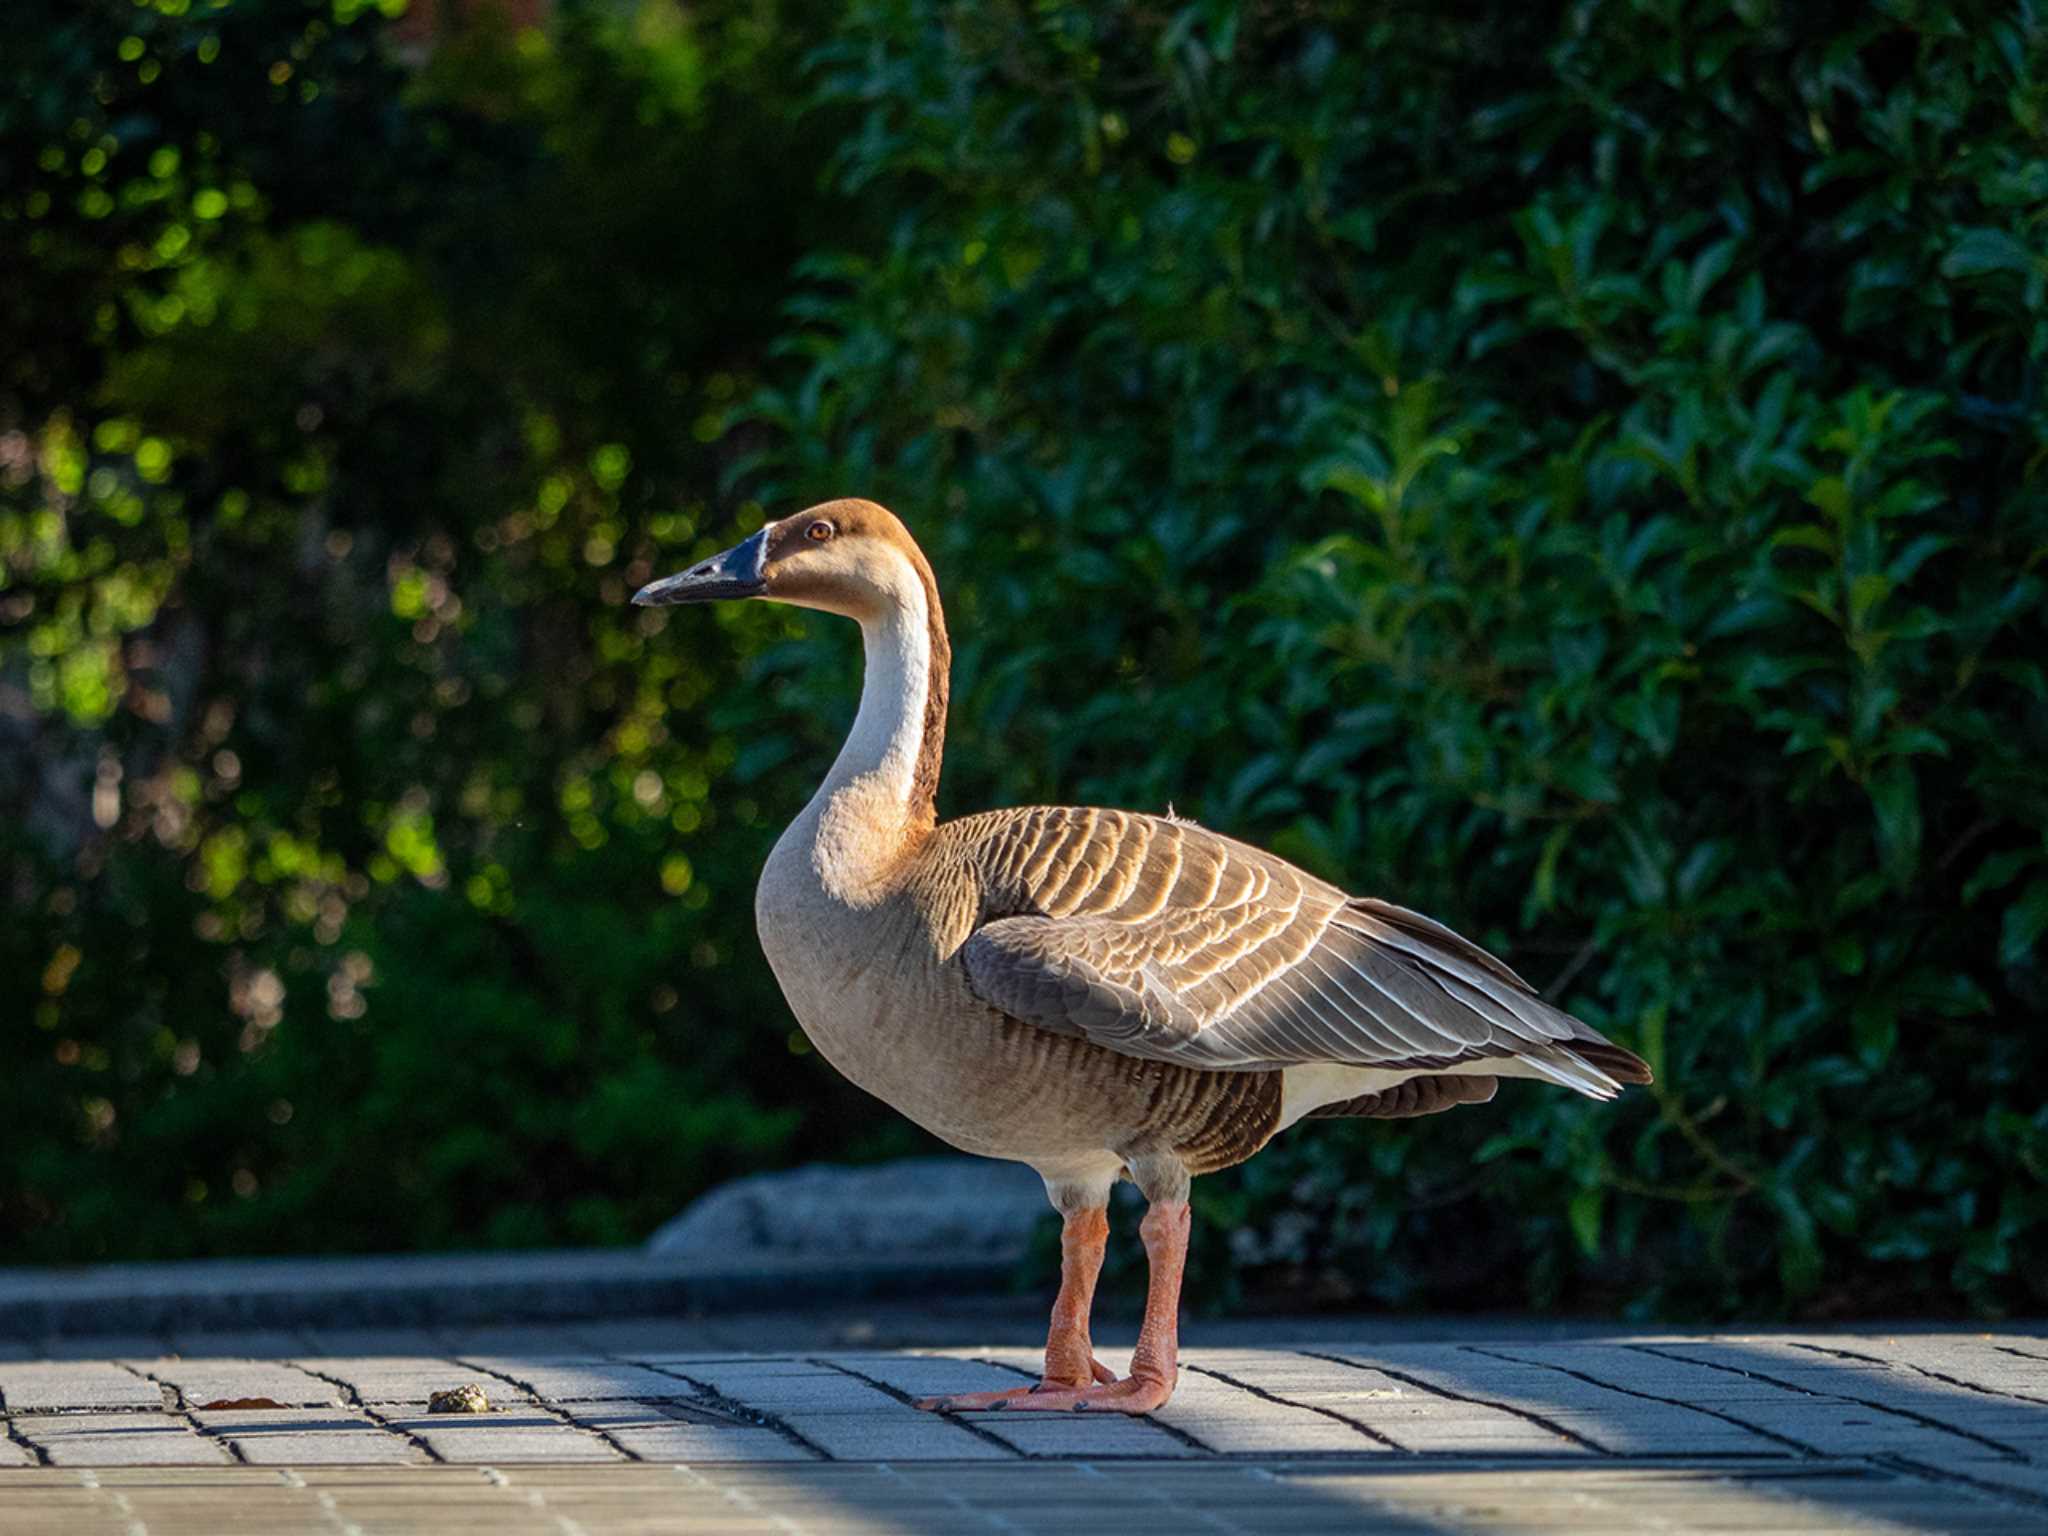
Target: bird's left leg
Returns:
[1069, 1356]
[1155, 1365]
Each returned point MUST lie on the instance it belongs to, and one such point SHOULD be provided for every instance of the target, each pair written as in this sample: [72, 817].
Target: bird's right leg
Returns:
[1070, 1361]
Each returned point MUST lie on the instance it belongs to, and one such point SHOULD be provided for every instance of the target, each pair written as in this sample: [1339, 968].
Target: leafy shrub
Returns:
[369, 879]
[1577, 470]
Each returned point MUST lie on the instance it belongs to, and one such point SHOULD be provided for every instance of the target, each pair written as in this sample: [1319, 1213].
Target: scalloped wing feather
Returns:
[1159, 939]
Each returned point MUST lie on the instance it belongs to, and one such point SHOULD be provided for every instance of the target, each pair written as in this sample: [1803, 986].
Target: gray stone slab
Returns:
[1029, 1434]
[36, 1386]
[15, 1454]
[653, 1432]
[207, 1380]
[1846, 1407]
[2028, 1479]
[1618, 1398]
[1215, 1498]
[1236, 1421]
[308, 1436]
[1060, 1434]
[400, 1379]
[517, 1434]
[119, 1440]
[1424, 1408]
[1984, 1361]
[842, 1416]
[563, 1380]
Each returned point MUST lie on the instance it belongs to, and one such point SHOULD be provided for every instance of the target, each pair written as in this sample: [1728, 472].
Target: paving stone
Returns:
[2029, 1479]
[118, 1439]
[560, 1380]
[1427, 1412]
[842, 1416]
[35, 1386]
[1844, 1407]
[397, 1379]
[1030, 1434]
[1603, 1411]
[1045, 1434]
[1236, 1421]
[15, 1454]
[1333, 1497]
[654, 1432]
[210, 1380]
[1986, 1361]
[512, 1435]
[302, 1436]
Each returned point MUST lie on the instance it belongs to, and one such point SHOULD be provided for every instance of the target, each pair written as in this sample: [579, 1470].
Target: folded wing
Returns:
[1158, 939]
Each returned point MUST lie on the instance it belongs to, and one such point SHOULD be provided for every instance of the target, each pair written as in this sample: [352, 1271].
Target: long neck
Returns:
[882, 790]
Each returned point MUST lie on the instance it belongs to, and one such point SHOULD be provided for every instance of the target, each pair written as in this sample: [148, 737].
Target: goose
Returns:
[1099, 994]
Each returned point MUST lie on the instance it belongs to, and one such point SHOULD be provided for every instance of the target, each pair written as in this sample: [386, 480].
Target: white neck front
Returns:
[861, 815]
[880, 754]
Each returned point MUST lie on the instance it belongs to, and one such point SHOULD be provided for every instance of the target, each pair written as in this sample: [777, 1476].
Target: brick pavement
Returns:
[669, 1425]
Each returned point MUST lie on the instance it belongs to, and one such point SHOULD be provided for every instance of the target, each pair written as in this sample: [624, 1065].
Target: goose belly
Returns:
[914, 1036]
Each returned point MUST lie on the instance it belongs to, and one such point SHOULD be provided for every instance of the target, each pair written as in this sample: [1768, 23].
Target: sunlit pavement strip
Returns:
[641, 1427]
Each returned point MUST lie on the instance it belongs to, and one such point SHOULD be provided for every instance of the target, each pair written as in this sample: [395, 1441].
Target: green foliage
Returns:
[1577, 470]
[371, 879]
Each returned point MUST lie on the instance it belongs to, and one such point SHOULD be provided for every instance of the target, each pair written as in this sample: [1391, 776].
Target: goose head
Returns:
[848, 557]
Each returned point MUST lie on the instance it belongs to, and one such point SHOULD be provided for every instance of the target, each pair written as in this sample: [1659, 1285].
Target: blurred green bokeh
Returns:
[1579, 469]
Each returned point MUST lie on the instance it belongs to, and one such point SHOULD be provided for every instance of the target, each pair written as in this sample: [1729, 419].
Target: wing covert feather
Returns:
[1158, 939]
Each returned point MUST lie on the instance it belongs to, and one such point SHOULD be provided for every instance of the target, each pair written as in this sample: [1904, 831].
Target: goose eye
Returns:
[819, 531]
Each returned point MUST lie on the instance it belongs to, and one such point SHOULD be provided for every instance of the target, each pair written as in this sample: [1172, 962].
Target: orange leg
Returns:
[1069, 1356]
[1155, 1366]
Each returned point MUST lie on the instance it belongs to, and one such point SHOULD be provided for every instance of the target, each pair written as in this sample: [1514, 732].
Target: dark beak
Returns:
[736, 573]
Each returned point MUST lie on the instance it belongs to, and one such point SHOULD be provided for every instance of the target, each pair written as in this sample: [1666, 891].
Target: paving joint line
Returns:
[744, 1412]
[979, 1431]
[2024, 1354]
[175, 1404]
[15, 1435]
[88, 1479]
[2010, 1453]
[1931, 1374]
[1172, 1505]
[1459, 1397]
[1891, 1461]
[534, 1499]
[1800, 1446]
[739, 1498]
[541, 1403]
[351, 1398]
[994, 1519]
[1329, 1413]
[1174, 1431]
